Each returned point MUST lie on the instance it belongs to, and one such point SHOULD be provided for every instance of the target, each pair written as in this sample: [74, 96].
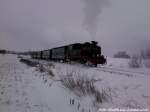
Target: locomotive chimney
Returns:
[94, 43]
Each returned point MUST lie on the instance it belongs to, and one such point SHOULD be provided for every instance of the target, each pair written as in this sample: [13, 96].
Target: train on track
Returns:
[86, 53]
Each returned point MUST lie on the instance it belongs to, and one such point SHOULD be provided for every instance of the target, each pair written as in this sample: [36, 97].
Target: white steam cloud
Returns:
[92, 10]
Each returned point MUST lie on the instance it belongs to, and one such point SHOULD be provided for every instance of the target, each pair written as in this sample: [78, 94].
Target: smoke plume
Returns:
[92, 10]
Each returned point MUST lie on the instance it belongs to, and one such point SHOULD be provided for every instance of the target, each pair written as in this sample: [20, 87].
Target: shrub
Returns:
[121, 54]
[135, 62]
[145, 54]
[147, 63]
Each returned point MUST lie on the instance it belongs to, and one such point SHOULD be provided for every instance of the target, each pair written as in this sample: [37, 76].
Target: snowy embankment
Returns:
[32, 89]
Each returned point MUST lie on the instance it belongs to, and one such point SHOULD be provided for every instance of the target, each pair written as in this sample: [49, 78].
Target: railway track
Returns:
[122, 72]
[118, 71]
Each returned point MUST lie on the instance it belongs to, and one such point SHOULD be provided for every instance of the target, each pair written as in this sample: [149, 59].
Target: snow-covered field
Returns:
[24, 89]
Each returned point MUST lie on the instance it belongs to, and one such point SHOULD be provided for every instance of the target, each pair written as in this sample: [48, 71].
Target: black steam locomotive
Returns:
[85, 53]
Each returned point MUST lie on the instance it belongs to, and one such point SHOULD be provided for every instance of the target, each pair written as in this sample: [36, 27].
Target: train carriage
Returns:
[58, 53]
[46, 54]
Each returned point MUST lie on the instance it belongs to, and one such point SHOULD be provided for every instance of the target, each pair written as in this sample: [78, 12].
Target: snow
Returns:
[24, 89]
[123, 64]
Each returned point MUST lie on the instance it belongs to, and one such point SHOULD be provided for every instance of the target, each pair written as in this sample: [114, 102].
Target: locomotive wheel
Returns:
[83, 61]
[95, 65]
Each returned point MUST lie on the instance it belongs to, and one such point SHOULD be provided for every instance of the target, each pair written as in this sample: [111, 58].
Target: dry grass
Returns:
[39, 67]
[28, 62]
[51, 65]
[45, 68]
[82, 85]
[50, 73]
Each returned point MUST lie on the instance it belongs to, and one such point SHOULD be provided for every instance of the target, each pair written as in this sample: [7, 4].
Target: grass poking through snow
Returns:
[82, 85]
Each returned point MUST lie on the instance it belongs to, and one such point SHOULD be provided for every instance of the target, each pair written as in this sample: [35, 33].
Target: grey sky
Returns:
[42, 24]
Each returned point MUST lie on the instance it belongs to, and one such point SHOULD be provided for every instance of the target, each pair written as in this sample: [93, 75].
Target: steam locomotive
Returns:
[86, 53]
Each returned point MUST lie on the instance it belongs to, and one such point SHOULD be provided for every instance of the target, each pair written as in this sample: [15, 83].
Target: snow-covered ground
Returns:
[24, 89]
[123, 64]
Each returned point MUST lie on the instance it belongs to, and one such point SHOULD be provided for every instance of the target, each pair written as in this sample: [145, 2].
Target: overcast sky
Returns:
[41, 24]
